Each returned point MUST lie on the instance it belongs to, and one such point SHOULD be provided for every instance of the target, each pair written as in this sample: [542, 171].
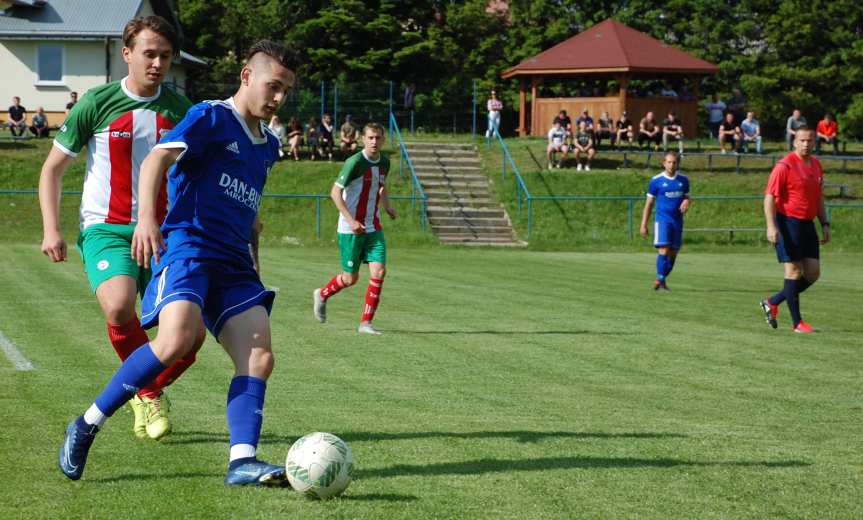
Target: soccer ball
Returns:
[320, 465]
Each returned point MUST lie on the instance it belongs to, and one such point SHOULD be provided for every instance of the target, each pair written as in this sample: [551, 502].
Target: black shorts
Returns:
[797, 239]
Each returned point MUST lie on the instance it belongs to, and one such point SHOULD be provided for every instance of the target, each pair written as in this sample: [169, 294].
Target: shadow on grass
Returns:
[154, 476]
[514, 332]
[199, 437]
[481, 466]
[378, 497]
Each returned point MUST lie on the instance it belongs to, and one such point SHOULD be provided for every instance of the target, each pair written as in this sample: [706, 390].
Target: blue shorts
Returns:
[221, 290]
[668, 234]
[797, 239]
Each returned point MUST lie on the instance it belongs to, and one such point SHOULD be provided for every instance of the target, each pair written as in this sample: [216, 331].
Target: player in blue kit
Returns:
[203, 265]
[670, 192]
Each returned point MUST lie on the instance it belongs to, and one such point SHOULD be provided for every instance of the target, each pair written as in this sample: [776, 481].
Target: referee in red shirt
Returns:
[791, 202]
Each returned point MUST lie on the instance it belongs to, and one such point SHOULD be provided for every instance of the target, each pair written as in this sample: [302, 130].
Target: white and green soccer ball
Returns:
[320, 465]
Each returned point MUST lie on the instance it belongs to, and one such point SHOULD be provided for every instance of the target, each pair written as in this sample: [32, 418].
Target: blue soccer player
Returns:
[670, 192]
[203, 266]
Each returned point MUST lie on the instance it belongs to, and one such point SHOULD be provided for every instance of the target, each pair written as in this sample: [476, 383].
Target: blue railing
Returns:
[521, 191]
[417, 192]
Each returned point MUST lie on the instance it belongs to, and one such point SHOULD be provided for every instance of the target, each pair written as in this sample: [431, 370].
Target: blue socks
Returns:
[139, 369]
[664, 265]
[245, 409]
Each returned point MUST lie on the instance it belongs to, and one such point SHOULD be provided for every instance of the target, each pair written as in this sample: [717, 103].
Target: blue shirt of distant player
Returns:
[215, 186]
[669, 193]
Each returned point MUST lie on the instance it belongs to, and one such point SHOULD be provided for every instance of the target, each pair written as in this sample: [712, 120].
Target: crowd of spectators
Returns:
[39, 125]
[316, 140]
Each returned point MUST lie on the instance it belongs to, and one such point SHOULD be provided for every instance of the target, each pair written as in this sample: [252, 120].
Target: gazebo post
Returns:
[522, 94]
[534, 83]
[623, 79]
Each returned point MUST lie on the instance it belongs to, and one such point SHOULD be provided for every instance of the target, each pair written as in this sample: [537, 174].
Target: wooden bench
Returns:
[729, 230]
[15, 139]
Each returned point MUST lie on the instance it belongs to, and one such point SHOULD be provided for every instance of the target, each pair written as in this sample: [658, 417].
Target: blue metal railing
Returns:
[417, 192]
[521, 191]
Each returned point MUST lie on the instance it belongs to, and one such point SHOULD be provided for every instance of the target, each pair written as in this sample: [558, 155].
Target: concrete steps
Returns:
[461, 208]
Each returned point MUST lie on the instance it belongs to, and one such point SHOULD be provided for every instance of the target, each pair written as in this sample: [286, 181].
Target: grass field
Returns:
[519, 385]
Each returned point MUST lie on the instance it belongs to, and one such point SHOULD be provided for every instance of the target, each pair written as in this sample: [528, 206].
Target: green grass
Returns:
[518, 384]
[603, 225]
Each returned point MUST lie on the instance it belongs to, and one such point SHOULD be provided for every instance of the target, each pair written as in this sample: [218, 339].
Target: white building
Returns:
[49, 48]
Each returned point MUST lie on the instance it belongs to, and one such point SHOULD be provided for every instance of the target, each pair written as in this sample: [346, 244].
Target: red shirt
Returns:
[828, 129]
[796, 186]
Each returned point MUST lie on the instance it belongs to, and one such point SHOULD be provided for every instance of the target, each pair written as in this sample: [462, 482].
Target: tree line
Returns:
[781, 53]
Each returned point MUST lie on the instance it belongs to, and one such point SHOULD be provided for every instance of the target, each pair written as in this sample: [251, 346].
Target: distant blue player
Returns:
[203, 265]
[670, 192]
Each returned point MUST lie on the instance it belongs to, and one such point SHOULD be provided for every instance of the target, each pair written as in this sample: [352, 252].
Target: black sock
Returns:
[803, 284]
[777, 298]
[793, 301]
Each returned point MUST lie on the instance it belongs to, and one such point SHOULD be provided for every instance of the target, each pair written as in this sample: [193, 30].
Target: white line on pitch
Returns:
[14, 355]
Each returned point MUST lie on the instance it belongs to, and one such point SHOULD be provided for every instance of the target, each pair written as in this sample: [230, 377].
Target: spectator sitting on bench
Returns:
[623, 129]
[348, 140]
[295, 137]
[278, 129]
[729, 133]
[313, 138]
[583, 145]
[750, 132]
[795, 121]
[40, 128]
[325, 137]
[73, 98]
[672, 129]
[715, 110]
[584, 118]
[556, 143]
[827, 131]
[603, 129]
[564, 120]
[648, 131]
[17, 118]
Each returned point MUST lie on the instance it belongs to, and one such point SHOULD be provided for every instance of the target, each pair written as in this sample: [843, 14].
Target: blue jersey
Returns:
[669, 193]
[216, 185]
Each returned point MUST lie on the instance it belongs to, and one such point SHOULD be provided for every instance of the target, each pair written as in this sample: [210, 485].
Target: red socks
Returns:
[373, 296]
[333, 286]
[128, 337]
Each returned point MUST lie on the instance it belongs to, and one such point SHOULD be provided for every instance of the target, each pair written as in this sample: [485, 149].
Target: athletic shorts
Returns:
[106, 250]
[362, 249]
[668, 234]
[797, 239]
[557, 148]
[221, 289]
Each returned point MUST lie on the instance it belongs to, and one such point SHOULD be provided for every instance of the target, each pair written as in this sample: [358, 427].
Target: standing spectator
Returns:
[586, 119]
[348, 136]
[672, 128]
[325, 137]
[795, 121]
[17, 117]
[729, 133]
[583, 144]
[313, 138]
[279, 131]
[40, 123]
[623, 129]
[73, 98]
[716, 113]
[792, 200]
[494, 106]
[410, 97]
[827, 132]
[737, 105]
[648, 131]
[556, 143]
[750, 132]
[295, 137]
[604, 129]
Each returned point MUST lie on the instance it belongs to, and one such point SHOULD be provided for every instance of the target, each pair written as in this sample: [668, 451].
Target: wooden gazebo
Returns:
[608, 51]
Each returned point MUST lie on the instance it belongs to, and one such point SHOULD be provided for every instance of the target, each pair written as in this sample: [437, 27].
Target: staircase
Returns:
[461, 210]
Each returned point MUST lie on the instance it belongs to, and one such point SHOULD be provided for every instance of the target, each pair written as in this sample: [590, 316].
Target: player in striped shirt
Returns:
[358, 191]
[119, 122]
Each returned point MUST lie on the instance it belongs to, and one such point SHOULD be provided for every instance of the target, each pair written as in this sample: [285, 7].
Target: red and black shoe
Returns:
[660, 284]
[803, 328]
[770, 312]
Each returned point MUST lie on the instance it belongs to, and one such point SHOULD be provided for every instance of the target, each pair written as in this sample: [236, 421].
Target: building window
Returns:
[50, 63]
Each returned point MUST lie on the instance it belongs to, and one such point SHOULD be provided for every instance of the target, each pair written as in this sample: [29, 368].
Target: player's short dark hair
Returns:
[376, 127]
[672, 154]
[155, 23]
[275, 50]
[803, 128]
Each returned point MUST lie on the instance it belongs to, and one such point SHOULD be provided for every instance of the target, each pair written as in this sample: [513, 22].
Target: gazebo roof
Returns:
[611, 46]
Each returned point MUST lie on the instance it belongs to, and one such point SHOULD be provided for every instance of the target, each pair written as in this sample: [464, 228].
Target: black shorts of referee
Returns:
[797, 239]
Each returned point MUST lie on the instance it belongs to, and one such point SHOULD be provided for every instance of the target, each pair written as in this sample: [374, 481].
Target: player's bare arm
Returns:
[825, 224]
[770, 218]
[385, 200]
[648, 205]
[147, 239]
[684, 206]
[336, 194]
[50, 185]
